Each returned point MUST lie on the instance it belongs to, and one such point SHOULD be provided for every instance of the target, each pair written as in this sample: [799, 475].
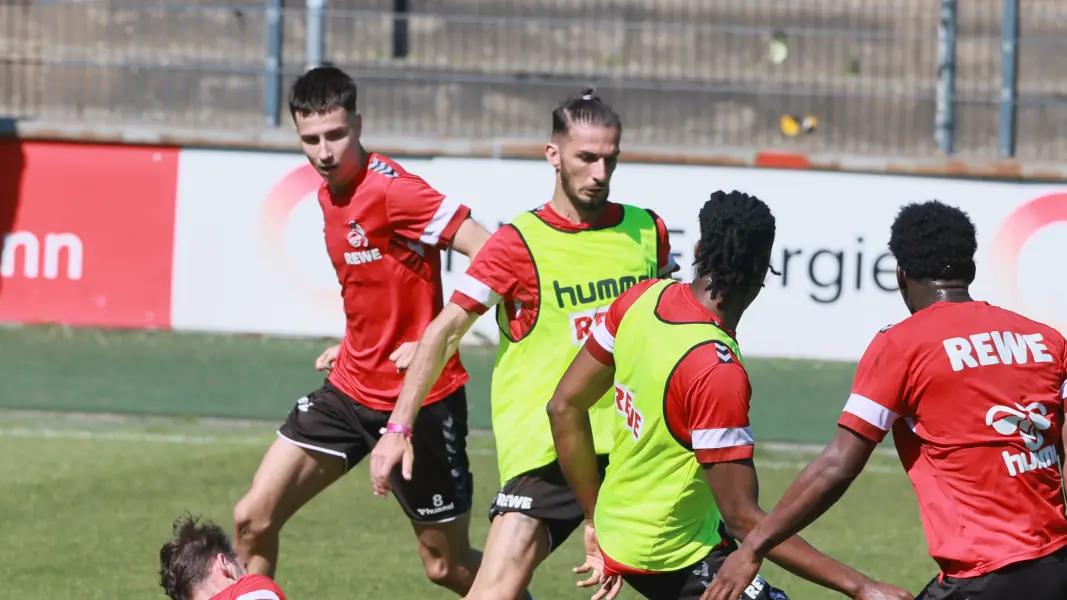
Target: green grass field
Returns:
[88, 496]
[163, 373]
[88, 501]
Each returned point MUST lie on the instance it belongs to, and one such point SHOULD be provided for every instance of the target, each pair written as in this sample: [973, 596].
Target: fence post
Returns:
[315, 32]
[401, 10]
[945, 120]
[1009, 79]
[272, 84]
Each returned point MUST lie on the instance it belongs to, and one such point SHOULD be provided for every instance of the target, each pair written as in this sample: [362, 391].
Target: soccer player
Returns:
[551, 274]
[384, 229]
[198, 563]
[974, 396]
[682, 453]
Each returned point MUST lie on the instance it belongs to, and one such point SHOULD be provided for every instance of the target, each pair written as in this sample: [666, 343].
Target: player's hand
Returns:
[325, 360]
[391, 450]
[403, 354]
[735, 574]
[594, 565]
[874, 590]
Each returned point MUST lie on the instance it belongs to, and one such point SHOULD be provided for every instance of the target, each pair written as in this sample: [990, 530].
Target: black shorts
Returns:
[441, 486]
[543, 494]
[691, 582]
[1039, 579]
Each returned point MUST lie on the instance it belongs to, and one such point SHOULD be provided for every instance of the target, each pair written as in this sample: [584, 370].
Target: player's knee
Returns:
[448, 574]
[442, 572]
[251, 520]
[438, 570]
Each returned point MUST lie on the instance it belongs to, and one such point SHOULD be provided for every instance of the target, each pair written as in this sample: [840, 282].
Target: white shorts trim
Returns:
[315, 448]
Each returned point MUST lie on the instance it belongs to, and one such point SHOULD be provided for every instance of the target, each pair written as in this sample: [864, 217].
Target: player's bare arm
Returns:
[439, 342]
[773, 536]
[582, 385]
[736, 489]
[469, 238]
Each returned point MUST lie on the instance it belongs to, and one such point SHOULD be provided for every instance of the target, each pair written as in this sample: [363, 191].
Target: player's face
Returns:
[585, 159]
[331, 143]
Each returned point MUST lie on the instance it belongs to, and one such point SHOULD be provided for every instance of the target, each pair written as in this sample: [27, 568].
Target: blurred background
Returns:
[914, 78]
[164, 290]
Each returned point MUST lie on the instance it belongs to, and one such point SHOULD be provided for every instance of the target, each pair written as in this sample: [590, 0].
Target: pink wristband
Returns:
[397, 428]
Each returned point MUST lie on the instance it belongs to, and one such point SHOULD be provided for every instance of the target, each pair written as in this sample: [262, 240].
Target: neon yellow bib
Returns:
[655, 511]
[579, 275]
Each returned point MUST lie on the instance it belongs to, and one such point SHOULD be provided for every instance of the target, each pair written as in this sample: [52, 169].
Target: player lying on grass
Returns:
[682, 453]
[198, 563]
[974, 396]
[552, 272]
[384, 230]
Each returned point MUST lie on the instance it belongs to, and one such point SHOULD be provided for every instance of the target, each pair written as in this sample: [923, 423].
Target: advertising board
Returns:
[250, 256]
[91, 235]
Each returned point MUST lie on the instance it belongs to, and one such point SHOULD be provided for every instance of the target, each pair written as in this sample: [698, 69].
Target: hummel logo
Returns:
[725, 356]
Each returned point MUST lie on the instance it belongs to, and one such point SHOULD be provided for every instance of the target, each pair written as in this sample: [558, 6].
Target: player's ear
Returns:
[552, 154]
[696, 248]
[228, 568]
[357, 125]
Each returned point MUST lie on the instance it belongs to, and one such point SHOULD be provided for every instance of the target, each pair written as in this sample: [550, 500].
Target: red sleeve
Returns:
[1063, 370]
[500, 269]
[708, 401]
[422, 214]
[257, 587]
[665, 259]
[602, 343]
[878, 395]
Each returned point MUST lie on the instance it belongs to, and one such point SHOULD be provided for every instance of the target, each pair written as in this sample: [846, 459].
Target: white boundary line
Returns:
[265, 439]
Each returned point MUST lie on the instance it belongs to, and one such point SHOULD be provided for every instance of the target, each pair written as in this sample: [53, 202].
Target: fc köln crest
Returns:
[356, 236]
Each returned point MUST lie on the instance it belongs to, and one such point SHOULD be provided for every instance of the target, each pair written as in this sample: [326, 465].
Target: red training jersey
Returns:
[974, 395]
[384, 240]
[708, 393]
[251, 587]
[504, 270]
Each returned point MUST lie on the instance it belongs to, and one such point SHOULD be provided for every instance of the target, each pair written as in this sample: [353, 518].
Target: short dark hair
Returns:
[934, 241]
[736, 237]
[185, 561]
[585, 108]
[321, 90]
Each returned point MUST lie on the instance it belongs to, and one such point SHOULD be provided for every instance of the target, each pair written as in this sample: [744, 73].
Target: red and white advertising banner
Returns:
[88, 233]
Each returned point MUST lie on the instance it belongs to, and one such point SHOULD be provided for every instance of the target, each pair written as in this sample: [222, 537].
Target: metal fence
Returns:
[914, 78]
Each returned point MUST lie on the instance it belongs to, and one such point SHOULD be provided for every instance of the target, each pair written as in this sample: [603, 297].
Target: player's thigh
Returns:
[288, 477]
[516, 545]
[446, 542]
[316, 445]
[543, 494]
[441, 488]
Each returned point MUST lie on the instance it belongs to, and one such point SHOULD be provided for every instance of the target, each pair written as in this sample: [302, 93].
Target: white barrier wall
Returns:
[249, 253]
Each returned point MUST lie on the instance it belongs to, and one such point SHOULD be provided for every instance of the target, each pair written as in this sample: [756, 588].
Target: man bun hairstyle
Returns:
[584, 108]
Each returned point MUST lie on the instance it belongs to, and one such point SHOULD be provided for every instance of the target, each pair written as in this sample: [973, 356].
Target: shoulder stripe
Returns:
[259, 595]
[724, 352]
[382, 168]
